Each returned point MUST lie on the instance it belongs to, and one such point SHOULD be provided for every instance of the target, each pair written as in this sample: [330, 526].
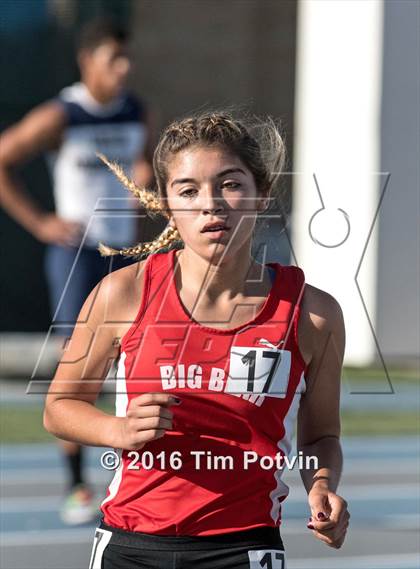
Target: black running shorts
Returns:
[260, 548]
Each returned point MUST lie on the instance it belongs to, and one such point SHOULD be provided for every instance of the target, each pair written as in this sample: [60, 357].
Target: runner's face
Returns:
[211, 185]
[109, 65]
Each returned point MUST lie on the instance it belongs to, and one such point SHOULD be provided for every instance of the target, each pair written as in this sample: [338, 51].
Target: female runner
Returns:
[217, 354]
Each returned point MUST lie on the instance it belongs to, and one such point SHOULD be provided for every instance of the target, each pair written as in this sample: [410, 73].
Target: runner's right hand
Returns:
[148, 418]
[58, 231]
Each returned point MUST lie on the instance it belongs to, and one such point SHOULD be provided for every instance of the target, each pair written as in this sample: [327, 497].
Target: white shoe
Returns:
[79, 506]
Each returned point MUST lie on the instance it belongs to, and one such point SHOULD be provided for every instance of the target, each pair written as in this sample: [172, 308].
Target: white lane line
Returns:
[372, 465]
[23, 504]
[365, 492]
[38, 452]
[400, 522]
[402, 561]
[37, 476]
[47, 474]
[46, 537]
[369, 492]
[368, 466]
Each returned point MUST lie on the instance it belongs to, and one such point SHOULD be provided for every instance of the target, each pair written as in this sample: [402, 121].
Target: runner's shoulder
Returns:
[124, 284]
[116, 297]
[320, 316]
[320, 308]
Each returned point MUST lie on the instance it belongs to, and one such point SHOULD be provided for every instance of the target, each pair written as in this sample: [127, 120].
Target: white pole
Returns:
[336, 185]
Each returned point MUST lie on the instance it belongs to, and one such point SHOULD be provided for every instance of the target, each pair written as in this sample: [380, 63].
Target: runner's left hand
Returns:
[329, 517]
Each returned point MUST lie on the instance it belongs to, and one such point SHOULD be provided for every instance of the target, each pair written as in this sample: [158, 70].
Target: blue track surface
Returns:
[380, 483]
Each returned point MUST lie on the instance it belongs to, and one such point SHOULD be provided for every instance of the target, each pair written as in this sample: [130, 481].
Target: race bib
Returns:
[267, 559]
[259, 370]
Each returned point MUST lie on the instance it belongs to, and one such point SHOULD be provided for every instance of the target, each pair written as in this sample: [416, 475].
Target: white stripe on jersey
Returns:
[121, 403]
[284, 444]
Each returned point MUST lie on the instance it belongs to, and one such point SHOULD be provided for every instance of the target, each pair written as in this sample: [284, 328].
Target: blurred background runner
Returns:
[96, 114]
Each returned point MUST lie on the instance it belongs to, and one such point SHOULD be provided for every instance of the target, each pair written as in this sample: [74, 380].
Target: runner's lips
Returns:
[216, 226]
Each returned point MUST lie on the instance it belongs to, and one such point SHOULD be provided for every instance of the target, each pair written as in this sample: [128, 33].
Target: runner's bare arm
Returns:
[39, 130]
[69, 408]
[318, 419]
[70, 413]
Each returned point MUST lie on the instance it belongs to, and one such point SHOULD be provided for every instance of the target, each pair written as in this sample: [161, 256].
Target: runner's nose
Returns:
[211, 204]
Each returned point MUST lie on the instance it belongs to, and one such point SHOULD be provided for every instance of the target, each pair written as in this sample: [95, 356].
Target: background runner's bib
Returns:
[240, 391]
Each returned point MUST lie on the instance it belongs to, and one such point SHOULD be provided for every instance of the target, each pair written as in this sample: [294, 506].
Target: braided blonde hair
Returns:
[150, 200]
[256, 142]
[153, 206]
[165, 239]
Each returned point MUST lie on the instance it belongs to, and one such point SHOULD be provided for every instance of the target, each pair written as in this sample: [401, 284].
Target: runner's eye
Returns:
[231, 185]
[188, 193]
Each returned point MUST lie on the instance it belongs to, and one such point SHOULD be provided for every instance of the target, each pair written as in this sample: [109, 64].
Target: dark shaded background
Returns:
[188, 54]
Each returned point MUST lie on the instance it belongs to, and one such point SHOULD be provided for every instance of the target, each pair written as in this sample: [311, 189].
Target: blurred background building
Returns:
[343, 77]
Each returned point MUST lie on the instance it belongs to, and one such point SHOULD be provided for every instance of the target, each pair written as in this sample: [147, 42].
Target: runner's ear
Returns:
[263, 204]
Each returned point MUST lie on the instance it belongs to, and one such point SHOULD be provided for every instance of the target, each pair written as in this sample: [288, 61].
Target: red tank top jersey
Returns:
[240, 391]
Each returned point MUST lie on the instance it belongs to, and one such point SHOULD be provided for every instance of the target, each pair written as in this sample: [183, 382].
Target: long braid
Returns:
[168, 237]
[153, 205]
[150, 200]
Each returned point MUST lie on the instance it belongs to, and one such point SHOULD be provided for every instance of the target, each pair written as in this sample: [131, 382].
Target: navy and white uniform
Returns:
[87, 192]
[84, 188]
